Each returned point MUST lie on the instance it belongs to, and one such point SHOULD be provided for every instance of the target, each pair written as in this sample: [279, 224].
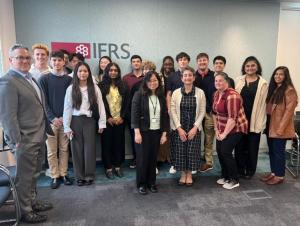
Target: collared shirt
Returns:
[230, 105]
[29, 79]
[174, 81]
[131, 79]
[36, 73]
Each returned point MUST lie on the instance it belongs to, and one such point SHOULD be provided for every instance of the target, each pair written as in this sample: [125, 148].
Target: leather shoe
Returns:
[89, 182]
[33, 218]
[275, 180]
[67, 180]
[267, 177]
[142, 190]
[80, 182]
[109, 174]
[42, 206]
[119, 172]
[54, 183]
[153, 188]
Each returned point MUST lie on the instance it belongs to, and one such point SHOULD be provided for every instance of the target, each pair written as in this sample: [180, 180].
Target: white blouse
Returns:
[84, 108]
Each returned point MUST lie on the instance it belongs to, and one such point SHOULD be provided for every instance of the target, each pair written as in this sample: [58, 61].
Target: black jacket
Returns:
[140, 116]
[124, 105]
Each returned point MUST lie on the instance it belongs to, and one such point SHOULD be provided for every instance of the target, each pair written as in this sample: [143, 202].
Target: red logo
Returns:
[83, 48]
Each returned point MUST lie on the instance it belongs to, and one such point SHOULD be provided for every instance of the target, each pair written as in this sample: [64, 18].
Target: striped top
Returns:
[230, 105]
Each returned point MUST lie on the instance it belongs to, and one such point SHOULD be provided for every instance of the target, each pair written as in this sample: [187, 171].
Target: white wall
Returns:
[289, 41]
[157, 28]
[7, 30]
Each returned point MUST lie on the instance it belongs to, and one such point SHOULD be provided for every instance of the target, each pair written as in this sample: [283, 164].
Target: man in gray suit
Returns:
[22, 114]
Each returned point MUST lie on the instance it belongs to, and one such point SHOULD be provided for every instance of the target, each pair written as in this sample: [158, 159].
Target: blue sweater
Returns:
[54, 88]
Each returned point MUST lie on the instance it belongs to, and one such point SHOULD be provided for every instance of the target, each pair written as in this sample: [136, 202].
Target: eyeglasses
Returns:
[22, 58]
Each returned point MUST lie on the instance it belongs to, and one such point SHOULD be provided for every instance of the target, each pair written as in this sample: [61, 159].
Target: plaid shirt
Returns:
[230, 106]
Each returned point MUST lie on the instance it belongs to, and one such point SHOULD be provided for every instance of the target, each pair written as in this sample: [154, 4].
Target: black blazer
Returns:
[124, 105]
[140, 116]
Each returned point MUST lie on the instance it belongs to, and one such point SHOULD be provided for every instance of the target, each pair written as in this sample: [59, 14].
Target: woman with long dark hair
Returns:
[281, 104]
[115, 97]
[103, 62]
[83, 99]
[253, 88]
[149, 120]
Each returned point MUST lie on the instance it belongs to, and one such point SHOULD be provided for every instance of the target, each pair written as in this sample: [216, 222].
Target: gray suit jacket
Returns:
[22, 113]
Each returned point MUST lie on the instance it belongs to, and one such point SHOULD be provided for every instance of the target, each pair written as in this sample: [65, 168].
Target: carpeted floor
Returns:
[117, 202]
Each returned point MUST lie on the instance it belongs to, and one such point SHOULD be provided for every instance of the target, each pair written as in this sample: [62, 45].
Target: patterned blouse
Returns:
[230, 105]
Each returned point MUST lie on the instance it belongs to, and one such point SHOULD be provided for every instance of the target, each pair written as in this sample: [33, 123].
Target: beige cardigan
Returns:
[258, 116]
[175, 108]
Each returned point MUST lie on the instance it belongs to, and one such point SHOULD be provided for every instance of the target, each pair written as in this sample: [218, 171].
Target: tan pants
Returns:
[58, 165]
[209, 135]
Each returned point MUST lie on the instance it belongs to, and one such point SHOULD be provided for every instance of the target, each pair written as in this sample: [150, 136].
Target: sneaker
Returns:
[206, 167]
[222, 181]
[172, 170]
[194, 171]
[132, 165]
[231, 184]
[156, 171]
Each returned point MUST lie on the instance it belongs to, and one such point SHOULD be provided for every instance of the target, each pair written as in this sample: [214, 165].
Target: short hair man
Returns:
[41, 56]
[75, 58]
[219, 65]
[132, 80]
[205, 80]
[54, 85]
[24, 122]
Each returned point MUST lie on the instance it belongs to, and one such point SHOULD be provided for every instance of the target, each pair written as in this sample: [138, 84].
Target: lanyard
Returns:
[154, 107]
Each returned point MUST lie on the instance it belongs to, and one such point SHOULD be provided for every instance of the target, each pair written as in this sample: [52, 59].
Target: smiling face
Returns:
[153, 83]
[20, 60]
[279, 77]
[113, 72]
[82, 73]
[219, 66]
[168, 65]
[183, 62]
[103, 63]
[136, 64]
[57, 63]
[202, 63]
[40, 56]
[220, 83]
[251, 68]
[188, 77]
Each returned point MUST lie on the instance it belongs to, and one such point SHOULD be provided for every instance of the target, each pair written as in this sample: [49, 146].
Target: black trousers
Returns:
[246, 153]
[113, 145]
[225, 154]
[83, 147]
[133, 146]
[146, 158]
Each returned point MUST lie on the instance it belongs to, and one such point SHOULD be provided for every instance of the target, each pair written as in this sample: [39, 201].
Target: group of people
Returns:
[65, 105]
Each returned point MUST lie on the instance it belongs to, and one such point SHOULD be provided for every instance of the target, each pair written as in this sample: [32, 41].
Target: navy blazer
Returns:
[140, 116]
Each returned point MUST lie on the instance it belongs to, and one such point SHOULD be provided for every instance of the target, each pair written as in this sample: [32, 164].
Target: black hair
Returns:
[58, 54]
[275, 93]
[223, 59]
[252, 58]
[182, 55]
[78, 55]
[135, 57]
[103, 57]
[162, 66]
[107, 81]
[76, 93]
[144, 87]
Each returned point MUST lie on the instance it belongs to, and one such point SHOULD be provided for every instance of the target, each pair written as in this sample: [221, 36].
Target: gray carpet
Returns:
[206, 203]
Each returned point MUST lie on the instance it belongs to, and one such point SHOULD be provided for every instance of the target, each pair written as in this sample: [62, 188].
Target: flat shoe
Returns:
[180, 183]
[267, 177]
[275, 180]
[189, 184]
